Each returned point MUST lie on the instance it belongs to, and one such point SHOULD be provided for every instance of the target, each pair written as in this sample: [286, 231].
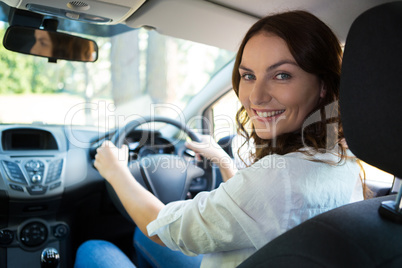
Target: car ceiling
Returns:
[220, 23]
[337, 14]
[223, 23]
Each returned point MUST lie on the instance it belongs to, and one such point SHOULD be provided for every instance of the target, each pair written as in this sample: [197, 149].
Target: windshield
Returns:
[138, 73]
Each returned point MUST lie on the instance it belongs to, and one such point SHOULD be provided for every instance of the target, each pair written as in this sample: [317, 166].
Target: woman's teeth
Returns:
[269, 114]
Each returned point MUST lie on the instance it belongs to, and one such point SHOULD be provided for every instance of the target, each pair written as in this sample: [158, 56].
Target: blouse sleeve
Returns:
[202, 225]
[228, 218]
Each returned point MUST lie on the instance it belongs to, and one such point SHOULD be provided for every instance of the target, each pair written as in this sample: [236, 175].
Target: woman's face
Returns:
[276, 93]
[43, 44]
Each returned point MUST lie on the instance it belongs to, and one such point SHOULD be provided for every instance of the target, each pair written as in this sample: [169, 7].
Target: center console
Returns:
[32, 181]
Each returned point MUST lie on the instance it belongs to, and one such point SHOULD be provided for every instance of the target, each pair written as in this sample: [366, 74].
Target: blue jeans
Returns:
[151, 254]
[103, 254]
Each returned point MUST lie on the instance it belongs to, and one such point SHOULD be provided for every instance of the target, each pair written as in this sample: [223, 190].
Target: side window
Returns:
[224, 115]
[377, 175]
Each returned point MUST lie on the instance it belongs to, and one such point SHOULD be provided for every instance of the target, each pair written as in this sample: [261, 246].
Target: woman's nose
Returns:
[34, 49]
[260, 94]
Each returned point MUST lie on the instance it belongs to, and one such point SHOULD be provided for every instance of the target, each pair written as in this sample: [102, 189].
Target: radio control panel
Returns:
[32, 176]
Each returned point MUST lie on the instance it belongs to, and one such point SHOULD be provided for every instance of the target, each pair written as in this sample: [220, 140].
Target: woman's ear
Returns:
[323, 90]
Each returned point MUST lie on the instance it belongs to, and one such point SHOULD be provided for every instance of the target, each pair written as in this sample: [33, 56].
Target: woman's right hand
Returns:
[110, 160]
[209, 149]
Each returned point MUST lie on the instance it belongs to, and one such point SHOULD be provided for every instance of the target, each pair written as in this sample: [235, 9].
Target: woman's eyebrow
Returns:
[273, 66]
[279, 63]
[245, 68]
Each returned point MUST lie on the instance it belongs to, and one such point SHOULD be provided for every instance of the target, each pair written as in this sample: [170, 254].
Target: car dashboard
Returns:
[39, 162]
[52, 196]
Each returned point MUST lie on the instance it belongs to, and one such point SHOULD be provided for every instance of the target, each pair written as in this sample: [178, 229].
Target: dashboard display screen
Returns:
[28, 139]
[25, 141]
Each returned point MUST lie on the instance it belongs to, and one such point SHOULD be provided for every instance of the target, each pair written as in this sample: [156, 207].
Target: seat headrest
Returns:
[371, 87]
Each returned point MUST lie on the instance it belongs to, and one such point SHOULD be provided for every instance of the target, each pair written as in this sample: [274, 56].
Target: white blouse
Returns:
[255, 206]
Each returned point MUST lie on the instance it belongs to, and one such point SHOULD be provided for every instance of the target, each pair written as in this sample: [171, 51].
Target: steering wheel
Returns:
[167, 176]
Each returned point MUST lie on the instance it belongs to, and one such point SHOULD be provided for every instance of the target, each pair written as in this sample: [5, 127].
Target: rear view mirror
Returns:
[50, 44]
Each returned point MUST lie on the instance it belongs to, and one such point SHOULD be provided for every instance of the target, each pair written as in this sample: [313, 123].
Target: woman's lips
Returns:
[267, 115]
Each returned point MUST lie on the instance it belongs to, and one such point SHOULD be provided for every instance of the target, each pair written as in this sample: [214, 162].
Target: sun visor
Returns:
[198, 21]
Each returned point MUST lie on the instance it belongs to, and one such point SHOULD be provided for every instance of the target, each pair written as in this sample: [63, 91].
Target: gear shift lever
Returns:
[49, 258]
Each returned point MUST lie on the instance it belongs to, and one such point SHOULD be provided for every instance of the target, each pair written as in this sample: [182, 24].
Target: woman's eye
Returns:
[282, 76]
[248, 77]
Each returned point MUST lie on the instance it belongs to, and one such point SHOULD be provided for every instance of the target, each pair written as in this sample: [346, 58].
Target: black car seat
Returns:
[356, 235]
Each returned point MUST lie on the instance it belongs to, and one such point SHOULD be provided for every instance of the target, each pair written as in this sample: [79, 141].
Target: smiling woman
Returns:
[289, 180]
